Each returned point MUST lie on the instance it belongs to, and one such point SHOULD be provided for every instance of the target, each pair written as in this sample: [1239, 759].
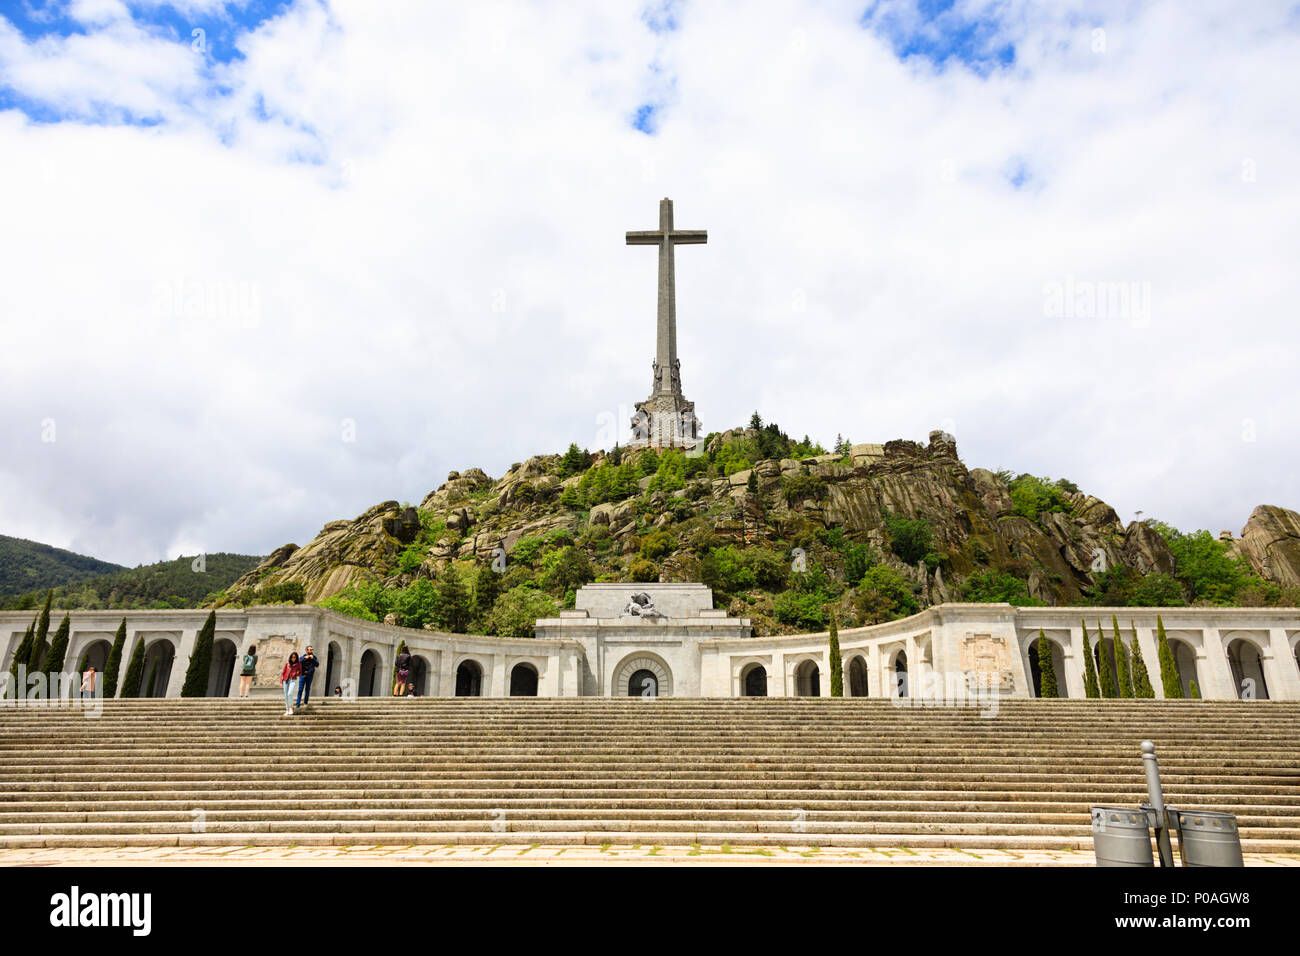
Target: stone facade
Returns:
[693, 650]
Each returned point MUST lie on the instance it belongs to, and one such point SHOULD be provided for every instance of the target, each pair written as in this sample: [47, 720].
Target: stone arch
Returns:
[159, 658]
[1246, 661]
[642, 661]
[807, 678]
[419, 674]
[899, 684]
[523, 680]
[1058, 664]
[222, 669]
[1186, 666]
[333, 667]
[753, 680]
[95, 654]
[855, 677]
[369, 674]
[469, 678]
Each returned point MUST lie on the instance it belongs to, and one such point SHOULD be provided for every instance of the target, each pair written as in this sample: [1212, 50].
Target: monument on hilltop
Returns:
[666, 419]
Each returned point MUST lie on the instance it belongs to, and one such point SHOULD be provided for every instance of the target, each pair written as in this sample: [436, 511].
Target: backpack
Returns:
[249, 662]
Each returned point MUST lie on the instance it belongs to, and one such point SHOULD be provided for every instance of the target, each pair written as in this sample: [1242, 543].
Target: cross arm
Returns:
[688, 236]
[651, 237]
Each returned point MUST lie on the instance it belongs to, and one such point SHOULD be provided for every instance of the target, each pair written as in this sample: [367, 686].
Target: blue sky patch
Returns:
[934, 30]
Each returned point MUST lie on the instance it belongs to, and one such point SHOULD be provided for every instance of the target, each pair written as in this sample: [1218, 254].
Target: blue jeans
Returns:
[290, 686]
[304, 689]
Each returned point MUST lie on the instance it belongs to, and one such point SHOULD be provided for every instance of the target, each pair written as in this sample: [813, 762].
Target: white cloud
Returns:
[414, 219]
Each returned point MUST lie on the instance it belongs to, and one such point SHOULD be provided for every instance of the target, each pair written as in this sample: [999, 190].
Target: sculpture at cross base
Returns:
[666, 419]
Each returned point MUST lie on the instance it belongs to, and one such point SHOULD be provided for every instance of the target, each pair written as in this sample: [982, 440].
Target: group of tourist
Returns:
[295, 678]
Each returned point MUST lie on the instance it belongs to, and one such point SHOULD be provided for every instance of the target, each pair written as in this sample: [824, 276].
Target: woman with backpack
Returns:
[247, 671]
[403, 671]
[289, 680]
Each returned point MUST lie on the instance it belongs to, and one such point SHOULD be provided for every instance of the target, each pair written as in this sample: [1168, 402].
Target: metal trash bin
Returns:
[1207, 839]
[1121, 836]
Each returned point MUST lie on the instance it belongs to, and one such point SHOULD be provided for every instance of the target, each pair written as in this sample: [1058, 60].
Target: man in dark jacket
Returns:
[309, 663]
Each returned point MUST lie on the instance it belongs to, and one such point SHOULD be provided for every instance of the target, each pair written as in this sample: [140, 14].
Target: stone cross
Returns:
[665, 237]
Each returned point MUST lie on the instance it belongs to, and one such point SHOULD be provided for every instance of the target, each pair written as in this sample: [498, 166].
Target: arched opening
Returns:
[469, 679]
[1058, 667]
[1247, 670]
[96, 656]
[808, 679]
[523, 680]
[900, 674]
[158, 659]
[753, 681]
[1185, 664]
[857, 677]
[333, 658]
[368, 675]
[222, 669]
[643, 683]
[419, 675]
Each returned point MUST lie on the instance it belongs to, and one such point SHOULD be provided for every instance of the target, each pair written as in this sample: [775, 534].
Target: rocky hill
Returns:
[870, 531]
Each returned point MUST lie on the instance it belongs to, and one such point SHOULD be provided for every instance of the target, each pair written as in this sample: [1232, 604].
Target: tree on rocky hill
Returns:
[196, 675]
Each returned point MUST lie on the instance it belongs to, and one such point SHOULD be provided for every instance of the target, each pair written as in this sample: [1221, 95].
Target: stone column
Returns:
[1212, 667]
[180, 662]
[1285, 672]
[447, 673]
[500, 678]
[776, 675]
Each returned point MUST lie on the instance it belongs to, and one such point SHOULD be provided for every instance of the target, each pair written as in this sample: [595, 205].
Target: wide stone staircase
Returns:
[776, 771]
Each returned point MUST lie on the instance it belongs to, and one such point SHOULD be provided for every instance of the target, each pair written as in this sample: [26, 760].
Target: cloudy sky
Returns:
[265, 264]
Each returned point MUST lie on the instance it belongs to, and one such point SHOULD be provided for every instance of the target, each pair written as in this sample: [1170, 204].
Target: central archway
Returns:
[808, 679]
[1058, 666]
[368, 675]
[857, 677]
[469, 679]
[222, 669]
[753, 681]
[1185, 665]
[158, 659]
[523, 680]
[1247, 666]
[900, 675]
[629, 678]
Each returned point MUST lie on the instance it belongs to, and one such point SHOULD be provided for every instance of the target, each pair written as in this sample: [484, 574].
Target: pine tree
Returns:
[1169, 678]
[1121, 662]
[13, 691]
[58, 651]
[114, 661]
[487, 588]
[1106, 664]
[751, 484]
[756, 421]
[134, 671]
[1046, 669]
[837, 662]
[1089, 671]
[1142, 688]
[196, 675]
[454, 607]
[37, 653]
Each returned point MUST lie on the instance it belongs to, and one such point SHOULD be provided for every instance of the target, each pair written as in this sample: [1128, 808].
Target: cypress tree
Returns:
[837, 662]
[58, 651]
[1121, 662]
[196, 675]
[1196, 691]
[1089, 671]
[153, 676]
[1046, 669]
[1106, 664]
[37, 653]
[1169, 678]
[134, 671]
[114, 661]
[20, 657]
[1142, 688]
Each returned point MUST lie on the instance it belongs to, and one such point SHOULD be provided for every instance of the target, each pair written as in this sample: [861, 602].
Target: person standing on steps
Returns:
[247, 671]
[88, 682]
[289, 681]
[308, 664]
[403, 672]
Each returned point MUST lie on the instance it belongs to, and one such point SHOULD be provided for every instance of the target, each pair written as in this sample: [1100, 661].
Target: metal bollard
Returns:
[1156, 792]
[1207, 839]
[1121, 836]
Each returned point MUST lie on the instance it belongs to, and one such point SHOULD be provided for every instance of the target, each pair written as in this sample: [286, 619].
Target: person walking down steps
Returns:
[403, 672]
[308, 664]
[289, 680]
[247, 670]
